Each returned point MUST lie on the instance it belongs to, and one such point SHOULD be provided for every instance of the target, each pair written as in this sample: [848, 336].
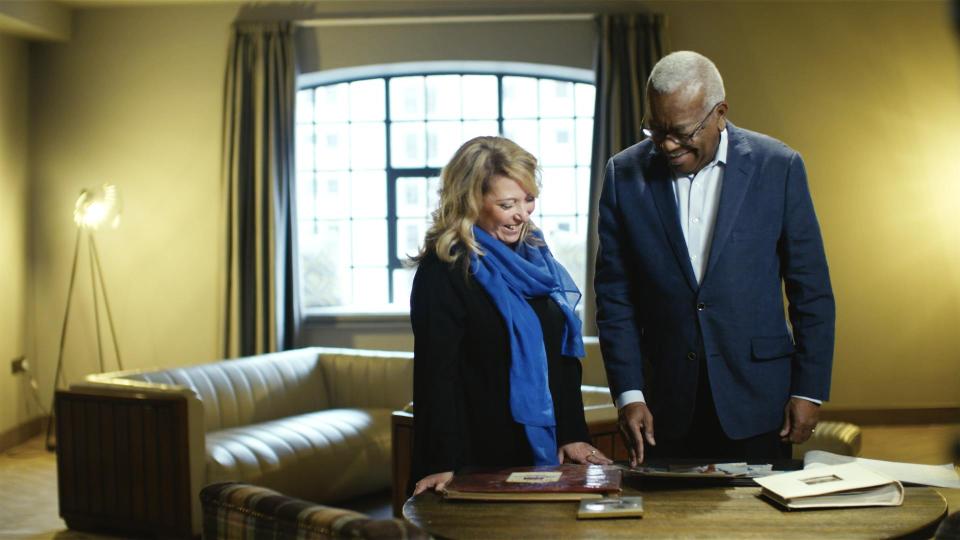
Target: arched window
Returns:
[370, 145]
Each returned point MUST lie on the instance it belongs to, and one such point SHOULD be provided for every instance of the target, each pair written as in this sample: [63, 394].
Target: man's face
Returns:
[675, 120]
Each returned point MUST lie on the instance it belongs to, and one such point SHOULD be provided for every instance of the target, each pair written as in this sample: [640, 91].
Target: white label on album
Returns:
[534, 477]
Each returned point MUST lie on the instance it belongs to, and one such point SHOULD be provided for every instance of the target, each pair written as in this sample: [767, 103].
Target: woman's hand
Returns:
[435, 481]
[581, 452]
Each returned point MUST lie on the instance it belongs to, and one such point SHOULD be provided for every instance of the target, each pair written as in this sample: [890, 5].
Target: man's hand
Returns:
[636, 424]
[436, 481]
[799, 419]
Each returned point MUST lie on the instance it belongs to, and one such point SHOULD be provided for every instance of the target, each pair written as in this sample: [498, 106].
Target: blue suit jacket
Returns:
[655, 320]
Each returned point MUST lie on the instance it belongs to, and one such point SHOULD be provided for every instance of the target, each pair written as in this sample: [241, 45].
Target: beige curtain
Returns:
[627, 47]
[261, 312]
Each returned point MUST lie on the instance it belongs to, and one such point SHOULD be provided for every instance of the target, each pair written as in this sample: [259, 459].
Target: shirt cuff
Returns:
[817, 401]
[628, 397]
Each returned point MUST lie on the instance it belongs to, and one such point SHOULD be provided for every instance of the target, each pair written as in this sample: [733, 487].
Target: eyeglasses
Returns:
[680, 138]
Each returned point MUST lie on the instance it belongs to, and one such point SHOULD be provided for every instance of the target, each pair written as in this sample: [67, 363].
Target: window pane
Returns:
[407, 98]
[333, 195]
[584, 141]
[433, 196]
[305, 106]
[368, 194]
[402, 284]
[556, 99]
[537, 216]
[370, 243]
[583, 191]
[332, 104]
[526, 133]
[519, 97]
[568, 244]
[305, 143]
[367, 100]
[585, 96]
[306, 202]
[333, 146]
[410, 233]
[324, 275]
[559, 193]
[477, 128]
[368, 145]
[556, 142]
[443, 139]
[443, 97]
[370, 286]
[412, 198]
[480, 96]
[408, 144]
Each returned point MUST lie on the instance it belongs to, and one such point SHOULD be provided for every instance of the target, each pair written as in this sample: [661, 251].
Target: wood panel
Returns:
[123, 464]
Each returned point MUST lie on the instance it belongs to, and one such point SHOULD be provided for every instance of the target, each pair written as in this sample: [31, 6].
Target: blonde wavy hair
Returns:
[464, 182]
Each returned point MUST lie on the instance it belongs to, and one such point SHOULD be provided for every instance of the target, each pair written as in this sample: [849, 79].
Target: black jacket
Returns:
[461, 385]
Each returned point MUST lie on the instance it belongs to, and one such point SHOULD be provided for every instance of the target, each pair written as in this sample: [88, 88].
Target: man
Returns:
[702, 227]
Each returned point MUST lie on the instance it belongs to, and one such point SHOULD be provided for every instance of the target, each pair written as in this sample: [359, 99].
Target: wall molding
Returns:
[22, 433]
[906, 416]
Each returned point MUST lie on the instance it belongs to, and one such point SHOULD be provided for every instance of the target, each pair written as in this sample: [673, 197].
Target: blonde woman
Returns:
[497, 341]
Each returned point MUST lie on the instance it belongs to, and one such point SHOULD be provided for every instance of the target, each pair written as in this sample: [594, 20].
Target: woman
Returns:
[496, 369]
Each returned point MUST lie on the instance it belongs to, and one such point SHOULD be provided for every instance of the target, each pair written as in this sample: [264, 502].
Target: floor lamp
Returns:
[93, 209]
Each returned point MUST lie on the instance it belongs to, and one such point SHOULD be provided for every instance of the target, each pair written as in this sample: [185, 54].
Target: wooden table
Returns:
[710, 512]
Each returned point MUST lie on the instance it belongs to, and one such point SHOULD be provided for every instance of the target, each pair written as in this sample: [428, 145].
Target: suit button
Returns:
[691, 356]
[701, 306]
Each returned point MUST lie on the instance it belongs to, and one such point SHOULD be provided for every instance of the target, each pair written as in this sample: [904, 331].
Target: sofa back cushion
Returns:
[358, 378]
[253, 389]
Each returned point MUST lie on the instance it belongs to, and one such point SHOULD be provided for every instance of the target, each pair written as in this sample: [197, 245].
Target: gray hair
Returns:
[687, 71]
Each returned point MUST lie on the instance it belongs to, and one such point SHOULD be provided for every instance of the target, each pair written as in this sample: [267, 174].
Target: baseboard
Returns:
[868, 417]
[22, 433]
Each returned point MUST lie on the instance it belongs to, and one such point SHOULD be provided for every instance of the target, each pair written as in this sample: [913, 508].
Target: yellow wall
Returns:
[867, 92]
[134, 98]
[16, 406]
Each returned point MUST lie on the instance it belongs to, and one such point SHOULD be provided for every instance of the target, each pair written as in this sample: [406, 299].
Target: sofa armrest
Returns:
[124, 461]
[233, 510]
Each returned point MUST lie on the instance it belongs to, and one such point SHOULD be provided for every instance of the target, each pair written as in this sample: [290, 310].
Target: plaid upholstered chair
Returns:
[234, 511]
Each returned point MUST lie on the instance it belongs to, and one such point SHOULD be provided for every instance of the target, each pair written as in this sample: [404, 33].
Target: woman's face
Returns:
[506, 207]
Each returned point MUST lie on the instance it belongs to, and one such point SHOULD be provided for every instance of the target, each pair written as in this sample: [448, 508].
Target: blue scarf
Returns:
[510, 276]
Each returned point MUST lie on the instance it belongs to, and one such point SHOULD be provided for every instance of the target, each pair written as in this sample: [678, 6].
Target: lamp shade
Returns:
[98, 206]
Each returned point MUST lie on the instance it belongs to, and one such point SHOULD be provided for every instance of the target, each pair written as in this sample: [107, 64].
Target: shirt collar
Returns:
[721, 156]
[719, 159]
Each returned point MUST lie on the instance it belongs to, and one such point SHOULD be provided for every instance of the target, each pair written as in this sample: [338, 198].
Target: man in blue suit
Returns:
[703, 226]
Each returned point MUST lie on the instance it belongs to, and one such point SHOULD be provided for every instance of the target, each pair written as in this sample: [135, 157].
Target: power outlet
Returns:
[18, 365]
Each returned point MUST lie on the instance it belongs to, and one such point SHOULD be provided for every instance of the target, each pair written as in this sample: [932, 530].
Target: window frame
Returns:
[397, 311]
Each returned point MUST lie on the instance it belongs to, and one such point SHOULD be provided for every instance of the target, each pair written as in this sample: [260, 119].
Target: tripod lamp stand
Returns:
[93, 209]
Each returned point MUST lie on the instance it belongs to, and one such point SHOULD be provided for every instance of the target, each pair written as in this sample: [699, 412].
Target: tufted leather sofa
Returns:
[312, 423]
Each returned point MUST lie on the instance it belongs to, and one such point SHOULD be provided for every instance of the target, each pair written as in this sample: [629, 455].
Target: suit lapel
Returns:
[736, 179]
[666, 201]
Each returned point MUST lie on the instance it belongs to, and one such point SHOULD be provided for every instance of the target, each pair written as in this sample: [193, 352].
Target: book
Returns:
[945, 476]
[831, 486]
[611, 507]
[699, 473]
[545, 483]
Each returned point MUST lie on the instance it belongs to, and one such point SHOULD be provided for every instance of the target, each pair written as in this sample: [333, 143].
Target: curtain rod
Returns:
[423, 19]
